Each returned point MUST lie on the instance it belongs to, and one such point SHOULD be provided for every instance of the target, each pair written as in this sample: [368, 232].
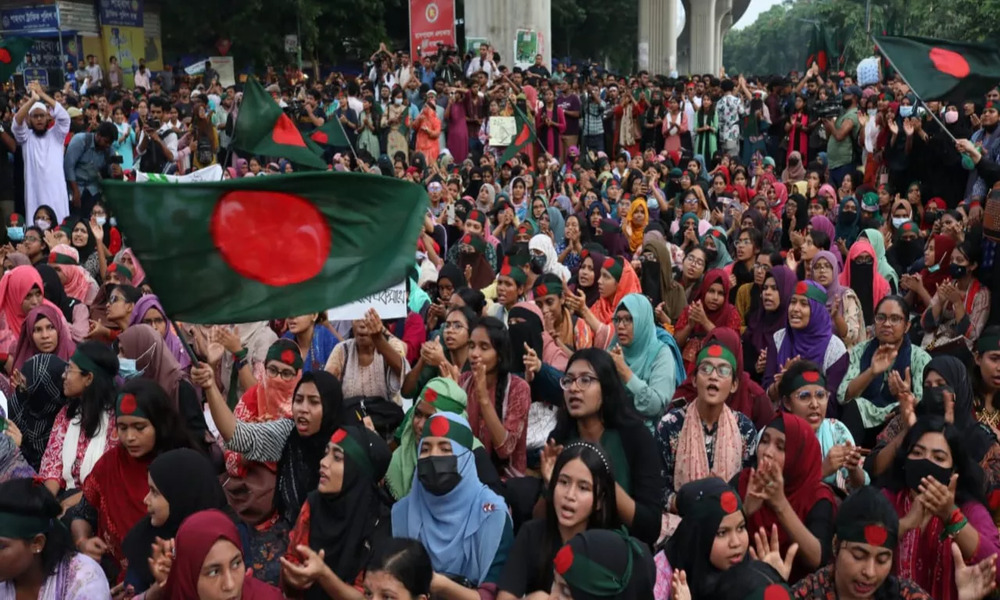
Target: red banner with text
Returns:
[432, 23]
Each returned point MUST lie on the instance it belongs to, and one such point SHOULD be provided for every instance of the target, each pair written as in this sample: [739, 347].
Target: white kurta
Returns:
[44, 182]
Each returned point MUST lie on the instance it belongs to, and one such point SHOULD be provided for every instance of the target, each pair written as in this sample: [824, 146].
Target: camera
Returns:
[116, 159]
[827, 109]
[153, 124]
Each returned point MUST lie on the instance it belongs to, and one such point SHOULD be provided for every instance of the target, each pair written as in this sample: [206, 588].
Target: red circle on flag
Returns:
[950, 63]
[875, 535]
[338, 436]
[801, 288]
[542, 290]
[715, 351]
[430, 395]
[811, 376]
[776, 591]
[728, 502]
[5, 56]
[467, 239]
[440, 426]
[608, 263]
[128, 404]
[474, 215]
[245, 225]
[288, 357]
[319, 137]
[564, 559]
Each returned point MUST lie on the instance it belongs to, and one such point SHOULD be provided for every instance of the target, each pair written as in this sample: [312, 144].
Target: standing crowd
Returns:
[700, 337]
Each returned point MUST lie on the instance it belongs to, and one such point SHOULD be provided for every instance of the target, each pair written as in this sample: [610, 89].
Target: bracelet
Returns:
[956, 522]
[241, 354]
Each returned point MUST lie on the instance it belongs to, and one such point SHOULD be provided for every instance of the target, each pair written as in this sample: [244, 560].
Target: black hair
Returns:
[468, 313]
[107, 130]
[978, 384]
[971, 483]
[603, 512]
[407, 561]
[315, 95]
[27, 498]
[820, 239]
[472, 298]
[171, 432]
[615, 411]
[51, 214]
[131, 294]
[41, 236]
[160, 102]
[500, 340]
[785, 386]
[899, 300]
[99, 396]
[756, 238]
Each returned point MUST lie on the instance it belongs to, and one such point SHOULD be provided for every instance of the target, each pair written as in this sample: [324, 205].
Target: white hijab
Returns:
[552, 265]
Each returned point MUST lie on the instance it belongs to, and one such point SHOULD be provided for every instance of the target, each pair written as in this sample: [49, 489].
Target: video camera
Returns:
[827, 109]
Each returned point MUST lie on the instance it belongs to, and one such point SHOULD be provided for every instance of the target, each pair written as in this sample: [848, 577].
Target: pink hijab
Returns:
[26, 348]
[14, 287]
[138, 274]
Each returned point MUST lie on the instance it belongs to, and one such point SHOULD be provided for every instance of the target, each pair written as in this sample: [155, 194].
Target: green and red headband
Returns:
[515, 273]
[547, 288]
[20, 527]
[284, 351]
[591, 577]
[16, 220]
[59, 258]
[344, 440]
[443, 394]
[811, 291]
[810, 377]
[478, 244]
[123, 272]
[717, 350]
[988, 343]
[774, 591]
[127, 406]
[873, 534]
[614, 266]
[477, 216]
[441, 426]
[909, 227]
[527, 228]
[721, 505]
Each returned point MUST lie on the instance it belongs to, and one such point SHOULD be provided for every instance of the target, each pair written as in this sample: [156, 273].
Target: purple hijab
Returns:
[613, 240]
[762, 325]
[170, 339]
[811, 342]
[835, 290]
[821, 223]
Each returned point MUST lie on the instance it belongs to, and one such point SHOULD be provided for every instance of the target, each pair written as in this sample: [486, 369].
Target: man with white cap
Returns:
[42, 147]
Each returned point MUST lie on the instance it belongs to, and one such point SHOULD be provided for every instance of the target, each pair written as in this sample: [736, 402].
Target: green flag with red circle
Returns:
[12, 51]
[262, 128]
[942, 69]
[524, 137]
[259, 248]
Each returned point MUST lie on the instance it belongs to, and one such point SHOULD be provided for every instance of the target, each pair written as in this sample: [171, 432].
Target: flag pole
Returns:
[912, 90]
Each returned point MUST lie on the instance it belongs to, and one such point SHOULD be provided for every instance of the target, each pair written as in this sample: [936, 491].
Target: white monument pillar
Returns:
[658, 35]
[500, 22]
[703, 30]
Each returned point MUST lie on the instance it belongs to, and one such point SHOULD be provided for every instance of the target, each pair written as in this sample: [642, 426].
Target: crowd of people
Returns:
[700, 337]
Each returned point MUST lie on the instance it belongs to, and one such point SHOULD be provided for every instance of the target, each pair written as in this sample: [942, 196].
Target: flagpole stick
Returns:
[912, 90]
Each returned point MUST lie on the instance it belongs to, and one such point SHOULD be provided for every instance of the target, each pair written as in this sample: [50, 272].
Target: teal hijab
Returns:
[884, 268]
[847, 228]
[557, 224]
[641, 353]
[721, 248]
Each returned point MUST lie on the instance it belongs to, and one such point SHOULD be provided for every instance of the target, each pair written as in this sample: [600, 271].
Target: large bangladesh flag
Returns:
[524, 137]
[12, 51]
[264, 129]
[942, 69]
[259, 248]
[822, 49]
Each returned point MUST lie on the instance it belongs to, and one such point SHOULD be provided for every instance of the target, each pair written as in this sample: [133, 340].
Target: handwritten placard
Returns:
[389, 303]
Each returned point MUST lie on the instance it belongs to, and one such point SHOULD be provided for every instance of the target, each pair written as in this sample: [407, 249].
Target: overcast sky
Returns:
[756, 7]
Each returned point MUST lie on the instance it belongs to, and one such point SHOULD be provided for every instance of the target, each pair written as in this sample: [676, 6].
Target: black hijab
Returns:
[54, 291]
[801, 219]
[87, 249]
[597, 257]
[529, 332]
[298, 468]
[342, 524]
[454, 274]
[979, 438]
[189, 483]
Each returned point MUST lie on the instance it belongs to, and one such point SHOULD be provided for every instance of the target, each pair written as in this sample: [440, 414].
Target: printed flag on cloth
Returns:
[331, 133]
[259, 248]
[524, 137]
[12, 51]
[264, 129]
[942, 69]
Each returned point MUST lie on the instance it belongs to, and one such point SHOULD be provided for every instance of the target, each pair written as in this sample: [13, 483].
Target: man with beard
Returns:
[42, 147]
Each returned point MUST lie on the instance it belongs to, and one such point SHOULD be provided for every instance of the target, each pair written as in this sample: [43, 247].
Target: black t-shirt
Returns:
[522, 574]
[305, 124]
[183, 110]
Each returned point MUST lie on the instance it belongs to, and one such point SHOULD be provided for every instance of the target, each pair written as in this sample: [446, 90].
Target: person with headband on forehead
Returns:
[603, 564]
[42, 147]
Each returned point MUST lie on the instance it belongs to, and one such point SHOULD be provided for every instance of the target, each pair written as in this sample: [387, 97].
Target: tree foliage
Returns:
[776, 42]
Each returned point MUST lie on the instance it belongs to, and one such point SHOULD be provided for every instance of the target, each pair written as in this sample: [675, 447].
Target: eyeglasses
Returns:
[762, 267]
[69, 369]
[114, 299]
[707, 368]
[287, 375]
[695, 261]
[743, 242]
[822, 267]
[894, 319]
[32, 238]
[454, 325]
[621, 321]
[155, 321]
[585, 381]
[818, 395]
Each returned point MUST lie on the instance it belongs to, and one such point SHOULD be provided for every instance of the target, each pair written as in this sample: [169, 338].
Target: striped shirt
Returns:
[261, 442]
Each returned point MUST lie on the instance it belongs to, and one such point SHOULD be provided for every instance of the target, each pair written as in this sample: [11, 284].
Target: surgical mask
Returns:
[958, 271]
[915, 469]
[15, 234]
[127, 368]
[898, 222]
[906, 111]
[438, 474]
[397, 101]
[113, 221]
[951, 117]
[43, 224]
[872, 112]
[538, 264]
[101, 220]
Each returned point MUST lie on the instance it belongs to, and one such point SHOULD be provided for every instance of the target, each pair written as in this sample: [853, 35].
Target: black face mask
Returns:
[845, 218]
[958, 271]
[711, 256]
[869, 223]
[916, 469]
[909, 251]
[537, 264]
[438, 474]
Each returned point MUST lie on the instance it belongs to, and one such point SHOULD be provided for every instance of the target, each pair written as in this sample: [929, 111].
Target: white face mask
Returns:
[898, 222]
[101, 220]
[951, 117]
[43, 224]
[398, 101]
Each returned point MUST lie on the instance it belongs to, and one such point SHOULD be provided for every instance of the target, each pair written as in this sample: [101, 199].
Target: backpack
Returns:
[204, 153]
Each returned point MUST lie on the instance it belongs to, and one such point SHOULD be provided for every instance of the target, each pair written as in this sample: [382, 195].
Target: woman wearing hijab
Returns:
[795, 218]
[938, 493]
[767, 315]
[209, 563]
[884, 268]
[76, 313]
[21, 290]
[463, 524]
[937, 268]
[612, 238]
[848, 225]
[672, 293]
[344, 522]
[33, 407]
[544, 258]
[586, 277]
[785, 489]
[617, 280]
[600, 563]
[44, 331]
[716, 246]
[82, 238]
[634, 224]
[842, 301]
[77, 282]
[645, 364]
[148, 310]
[181, 483]
[473, 252]
[795, 170]
[808, 334]
[710, 309]
[861, 274]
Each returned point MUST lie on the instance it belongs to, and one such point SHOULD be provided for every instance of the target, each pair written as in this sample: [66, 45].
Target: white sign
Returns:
[291, 43]
[502, 130]
[223, 65]
[212, 173]
[390, 304]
